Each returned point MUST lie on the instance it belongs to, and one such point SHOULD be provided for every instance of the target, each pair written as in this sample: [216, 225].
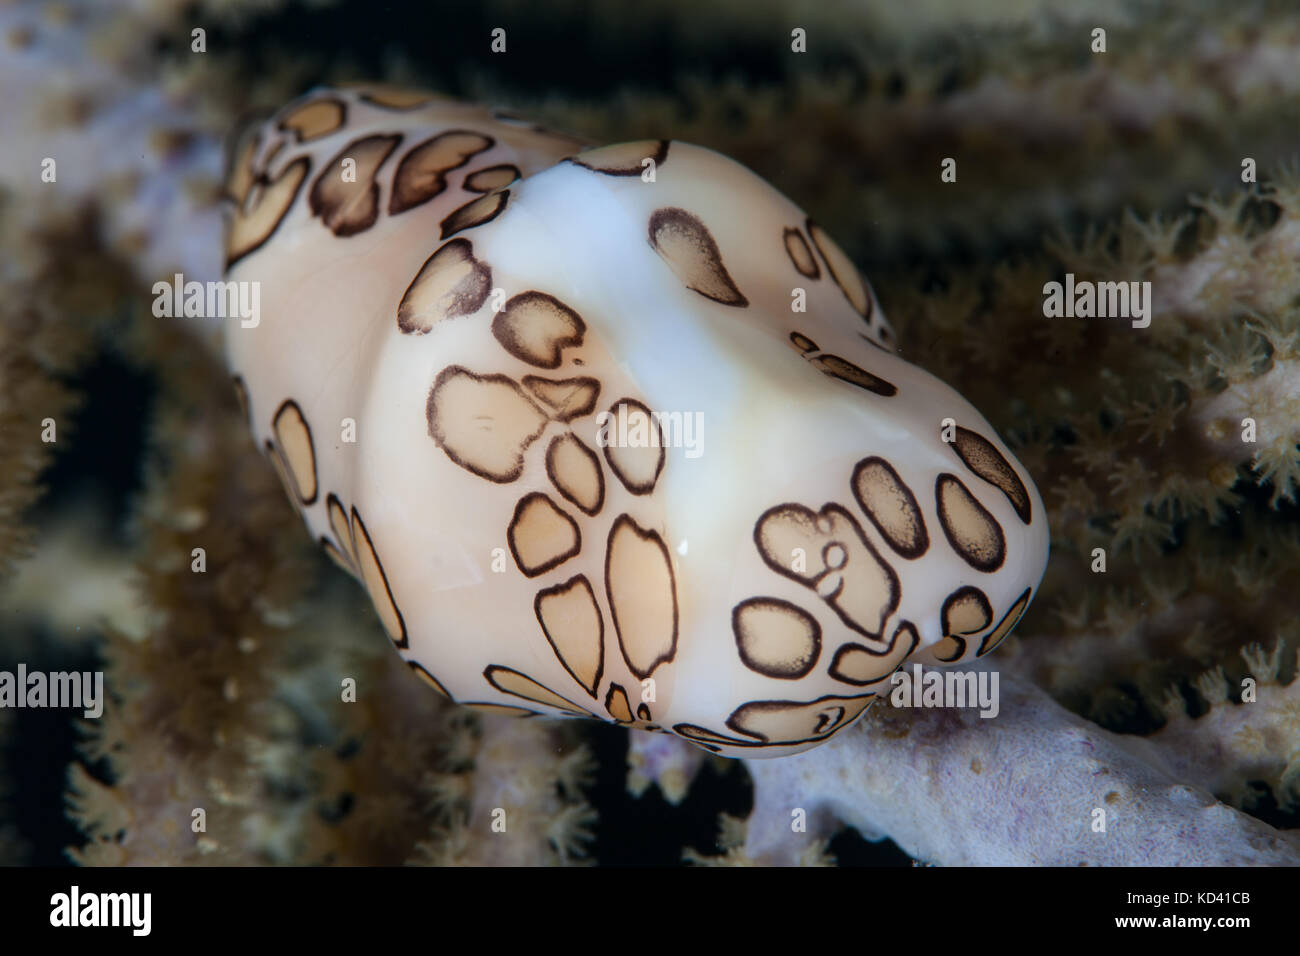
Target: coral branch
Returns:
[526, 806]
[1021, 788]
[669, 762]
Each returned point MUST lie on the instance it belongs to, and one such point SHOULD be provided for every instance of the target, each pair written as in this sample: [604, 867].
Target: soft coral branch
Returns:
[1021, 788]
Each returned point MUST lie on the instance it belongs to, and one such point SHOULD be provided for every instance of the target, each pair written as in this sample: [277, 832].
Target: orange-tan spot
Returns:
[504, 710]
[450, 283]
[846, 371]
[891, 506]
[535, 328]
[617, 705]
[422, 172]
[571, 621]
[376, 582]
[483, 422]
[574, 469]
[517, 684]
[240, 177]
[396, 97]
[781, 721]
[687, 246]
[801, 256]
[634, 445]
[696, 733]
[772, 723]
[623, 159]
[491, 178]
[973, 533]
[335, 555]
[1005, 626]
[541, 536]
[254, 221]
[842, 270]
[566, 399]
[293, 438]
[314, 119]
[338, 518]
[829, 553]
[428, 678]
[776, 638]
[642, 595]
[966, 611]
[860, 665]
[802, 342]
[475, 213]
[949, 650]
[273, 152]
[982, 457]
[345, 196]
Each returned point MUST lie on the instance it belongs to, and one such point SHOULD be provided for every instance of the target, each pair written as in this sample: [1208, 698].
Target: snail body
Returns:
[612, 432]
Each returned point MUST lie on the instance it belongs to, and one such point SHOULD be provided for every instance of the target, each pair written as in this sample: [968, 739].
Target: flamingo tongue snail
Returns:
[613, 432]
